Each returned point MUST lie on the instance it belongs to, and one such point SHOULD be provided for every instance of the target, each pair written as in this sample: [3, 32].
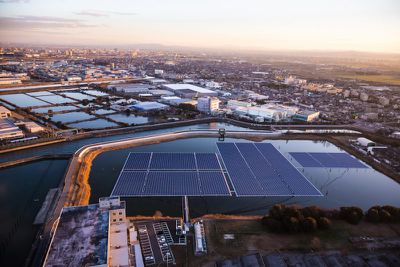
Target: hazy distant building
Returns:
[363, 96]
[383, 101]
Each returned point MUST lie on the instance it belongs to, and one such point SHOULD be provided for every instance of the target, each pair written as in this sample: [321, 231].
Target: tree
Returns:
[373, 215]
[309, 224]
[385, 216]
[352, 215]
[324, 223]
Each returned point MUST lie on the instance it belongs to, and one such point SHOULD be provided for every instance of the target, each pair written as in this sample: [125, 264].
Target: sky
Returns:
[337, 25]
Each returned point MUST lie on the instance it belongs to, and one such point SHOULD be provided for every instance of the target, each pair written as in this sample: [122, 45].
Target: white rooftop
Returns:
[183, 86]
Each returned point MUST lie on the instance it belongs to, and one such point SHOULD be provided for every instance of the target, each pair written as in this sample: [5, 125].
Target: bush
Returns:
[373, 215]
[352, 215]
[313, 211]
[394, 212]
[309, 224]
[324, 223]
[276, 211]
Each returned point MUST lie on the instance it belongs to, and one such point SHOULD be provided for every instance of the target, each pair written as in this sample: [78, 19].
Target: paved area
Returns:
[155, 238]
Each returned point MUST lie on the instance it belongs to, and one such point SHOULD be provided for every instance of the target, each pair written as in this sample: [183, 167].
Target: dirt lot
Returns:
[251, 236]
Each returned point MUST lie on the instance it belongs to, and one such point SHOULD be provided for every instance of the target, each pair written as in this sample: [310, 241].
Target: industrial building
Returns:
[208, 104]
[185, 90]
[8, 130]
[147, 106]
[100, 240]
[200, 247]
[306, 115]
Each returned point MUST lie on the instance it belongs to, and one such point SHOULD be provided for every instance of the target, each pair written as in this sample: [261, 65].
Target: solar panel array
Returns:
[328, 160]
[259, 169]
[171, 174]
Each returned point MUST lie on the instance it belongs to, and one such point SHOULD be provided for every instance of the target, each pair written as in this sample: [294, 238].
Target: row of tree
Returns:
[294, 219]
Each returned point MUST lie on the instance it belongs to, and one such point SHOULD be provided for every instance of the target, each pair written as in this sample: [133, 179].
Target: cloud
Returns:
[92, 13]
[40, 22]
[101, 13]
[123, 13]
[14, 1]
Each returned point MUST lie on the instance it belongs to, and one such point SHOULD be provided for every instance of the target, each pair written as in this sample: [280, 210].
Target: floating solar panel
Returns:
[259, 169]
[328, 160]
[129, 183]
[243, 180]
[171, 174]
[207, 161]
[172, 184]
[305, 159]
[213, 184]
[137, 161]
[298, 184]
[173, 161]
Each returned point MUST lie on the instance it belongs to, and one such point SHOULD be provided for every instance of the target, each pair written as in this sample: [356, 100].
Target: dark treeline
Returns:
[294, 219]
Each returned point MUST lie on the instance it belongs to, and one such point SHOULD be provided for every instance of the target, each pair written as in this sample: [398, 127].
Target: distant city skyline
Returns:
[369, 25]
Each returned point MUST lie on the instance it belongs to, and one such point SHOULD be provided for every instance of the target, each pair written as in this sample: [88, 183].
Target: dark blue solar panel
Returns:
[207, 161]
[263, 171]
[328, 160]
[305, 159]
[137, 161]
[172, 184]
[325, 159]
[173, 161]
[213, 184]
[298, 184]
[129, 184]
[347, 161]
[244, 182]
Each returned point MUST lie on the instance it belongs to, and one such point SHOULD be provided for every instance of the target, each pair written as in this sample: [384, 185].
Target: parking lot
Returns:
[155, 238]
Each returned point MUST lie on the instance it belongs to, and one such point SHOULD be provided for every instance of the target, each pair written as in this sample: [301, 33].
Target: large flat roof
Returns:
[81, 237]
[183, 86]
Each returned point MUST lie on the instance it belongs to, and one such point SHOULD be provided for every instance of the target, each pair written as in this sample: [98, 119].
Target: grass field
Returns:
[251, 235]
[382, 79]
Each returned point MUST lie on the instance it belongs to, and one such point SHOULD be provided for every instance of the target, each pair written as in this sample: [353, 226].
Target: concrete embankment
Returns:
[32, 159]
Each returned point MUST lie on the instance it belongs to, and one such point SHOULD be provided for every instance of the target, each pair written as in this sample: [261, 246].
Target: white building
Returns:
[199, 236]
[74, 79]
[8, 130]
[5, 81]
[158, 72]
[33, 127]
[189, 90]
[4, 112]
[234, 104]
[208, 104]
